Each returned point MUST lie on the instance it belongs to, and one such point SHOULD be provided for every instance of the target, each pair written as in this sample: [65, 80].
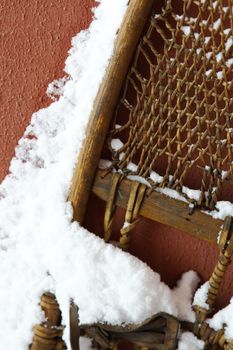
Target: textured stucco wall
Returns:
[34, 39]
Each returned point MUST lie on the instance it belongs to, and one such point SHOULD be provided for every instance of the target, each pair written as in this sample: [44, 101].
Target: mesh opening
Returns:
[175, 113]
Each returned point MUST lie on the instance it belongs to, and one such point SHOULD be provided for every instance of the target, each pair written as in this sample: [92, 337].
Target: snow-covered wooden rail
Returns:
[106, 99]
[162, 208]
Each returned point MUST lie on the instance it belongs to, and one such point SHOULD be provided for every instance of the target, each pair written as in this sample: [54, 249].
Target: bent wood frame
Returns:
[165, 210]
[106, 99]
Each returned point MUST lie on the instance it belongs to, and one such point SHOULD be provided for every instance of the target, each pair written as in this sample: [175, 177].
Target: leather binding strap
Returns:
[136, 197]
[111, 206]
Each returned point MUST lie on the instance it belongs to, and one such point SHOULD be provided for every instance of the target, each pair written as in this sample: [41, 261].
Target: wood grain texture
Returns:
[163, 209]
[107, 96]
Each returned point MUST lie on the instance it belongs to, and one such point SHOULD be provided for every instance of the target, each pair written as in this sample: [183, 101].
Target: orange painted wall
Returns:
[35, 38]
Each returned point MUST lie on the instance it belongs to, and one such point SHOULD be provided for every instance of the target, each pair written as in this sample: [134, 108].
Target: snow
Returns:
[208, 72]
[172, 194]
[132, 167]
[219, 75]
[126, 224]
[121, 155]
[192, 194]
[118, 126]
[229, 43]
[218, 56]
[116, 277]
[227, 31]
[201, 295]
[56, 88]
[35, 220]
[85, 343]
[223, 318]
[223, 209]
[186, 30]
[105, 164]
[156, 177]
[116, 144]
[140, 179]
[217, 24]
[207, 39]
[188, 341]
[183, 293]
[229, 62]
[215, 4]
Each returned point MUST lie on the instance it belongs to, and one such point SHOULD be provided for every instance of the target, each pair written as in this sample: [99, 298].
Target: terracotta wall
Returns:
[34, 40]
[35, 37]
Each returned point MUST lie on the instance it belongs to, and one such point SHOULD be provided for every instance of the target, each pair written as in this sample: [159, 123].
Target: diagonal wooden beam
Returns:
[107, 97]
[163, 209]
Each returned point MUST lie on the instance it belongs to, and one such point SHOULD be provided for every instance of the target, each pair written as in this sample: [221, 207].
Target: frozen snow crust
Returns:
[40, 248]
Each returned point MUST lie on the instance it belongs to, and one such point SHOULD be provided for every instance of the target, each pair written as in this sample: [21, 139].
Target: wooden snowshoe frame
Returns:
[178, 113]
[170, 104]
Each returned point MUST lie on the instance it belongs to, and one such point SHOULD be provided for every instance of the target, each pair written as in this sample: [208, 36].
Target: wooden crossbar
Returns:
[163, 209]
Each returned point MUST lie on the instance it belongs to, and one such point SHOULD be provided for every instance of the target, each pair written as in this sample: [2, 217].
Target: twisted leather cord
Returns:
[111, 206]
[214, 338]
[136, 196]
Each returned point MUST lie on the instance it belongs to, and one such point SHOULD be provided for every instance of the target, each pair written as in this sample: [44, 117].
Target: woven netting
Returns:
[175, 113]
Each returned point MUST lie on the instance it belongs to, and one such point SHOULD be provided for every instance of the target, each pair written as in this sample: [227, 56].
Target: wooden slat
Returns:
[163, 209]
[107, 97]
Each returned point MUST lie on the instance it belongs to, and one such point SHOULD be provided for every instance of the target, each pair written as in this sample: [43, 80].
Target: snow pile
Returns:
[188, 341]
[182, 295]
[223, 209]
[85, 343]
[40, 249]
[201, 295]
[36, 237]
[223, 319]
